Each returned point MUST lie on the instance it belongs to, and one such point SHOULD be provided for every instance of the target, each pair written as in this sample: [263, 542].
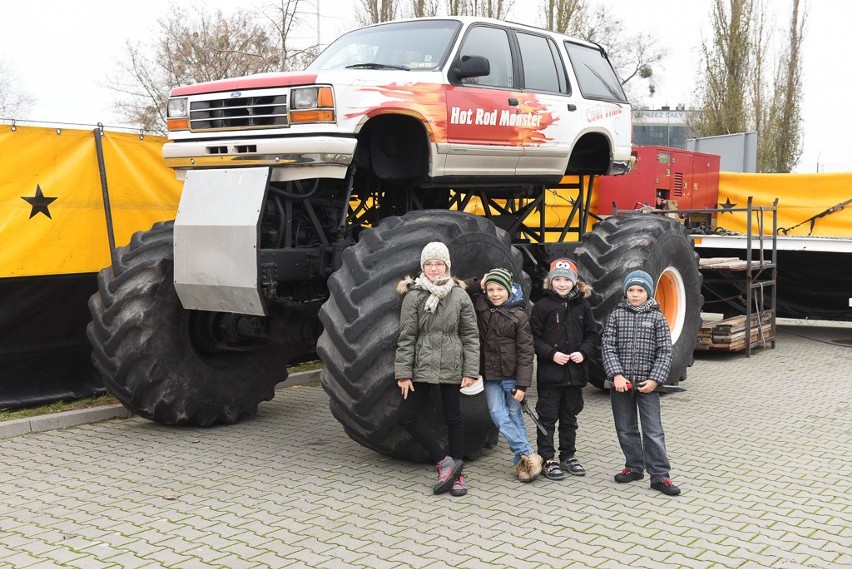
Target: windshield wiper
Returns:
[377, 66]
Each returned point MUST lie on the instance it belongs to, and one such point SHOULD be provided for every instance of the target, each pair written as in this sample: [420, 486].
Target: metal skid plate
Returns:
[216, 239]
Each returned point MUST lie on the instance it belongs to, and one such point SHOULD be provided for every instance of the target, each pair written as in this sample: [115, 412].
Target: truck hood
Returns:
[259, 81]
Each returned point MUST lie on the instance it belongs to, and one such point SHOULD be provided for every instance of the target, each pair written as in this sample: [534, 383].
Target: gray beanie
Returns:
[639, 278]
[563, 267]
[435, 250]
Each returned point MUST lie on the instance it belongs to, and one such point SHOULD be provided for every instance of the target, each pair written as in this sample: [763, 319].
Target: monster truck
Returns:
[308, 195]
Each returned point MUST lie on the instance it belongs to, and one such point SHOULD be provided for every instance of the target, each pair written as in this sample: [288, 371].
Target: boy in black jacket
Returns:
[564, 333]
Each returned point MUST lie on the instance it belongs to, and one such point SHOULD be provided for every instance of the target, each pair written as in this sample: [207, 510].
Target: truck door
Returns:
[481, 140]
[547, 115]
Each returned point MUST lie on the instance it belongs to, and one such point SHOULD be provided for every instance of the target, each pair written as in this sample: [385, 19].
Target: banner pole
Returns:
[98, 132]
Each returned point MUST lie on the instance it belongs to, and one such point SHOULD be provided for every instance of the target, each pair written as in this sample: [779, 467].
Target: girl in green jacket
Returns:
[438, 346]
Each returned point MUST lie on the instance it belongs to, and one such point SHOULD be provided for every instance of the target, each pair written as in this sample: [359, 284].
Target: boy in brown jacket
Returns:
[506, 362]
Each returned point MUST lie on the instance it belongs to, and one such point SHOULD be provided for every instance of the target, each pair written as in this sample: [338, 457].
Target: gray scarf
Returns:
[642, 307]
[439, 289]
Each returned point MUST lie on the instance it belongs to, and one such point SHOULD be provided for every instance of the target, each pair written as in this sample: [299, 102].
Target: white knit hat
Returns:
[435, 250]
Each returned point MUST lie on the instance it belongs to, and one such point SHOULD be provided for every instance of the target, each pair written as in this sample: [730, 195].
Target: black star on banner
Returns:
[727, 206]
[39, 203]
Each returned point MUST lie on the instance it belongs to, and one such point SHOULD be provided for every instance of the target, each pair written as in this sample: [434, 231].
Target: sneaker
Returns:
[552, 470]
[448, 470]
[523, 468]
[573, 466]
[536, 463]
[628, 475]
[459, 488]
[666, 487]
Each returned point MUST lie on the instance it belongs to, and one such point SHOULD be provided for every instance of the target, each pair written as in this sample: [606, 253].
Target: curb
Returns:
[53, 421]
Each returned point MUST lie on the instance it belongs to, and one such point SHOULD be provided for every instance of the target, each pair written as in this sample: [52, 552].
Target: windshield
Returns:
[411, 46]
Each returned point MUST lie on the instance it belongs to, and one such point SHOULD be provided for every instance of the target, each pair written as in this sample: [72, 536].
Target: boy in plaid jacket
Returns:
[636, 349]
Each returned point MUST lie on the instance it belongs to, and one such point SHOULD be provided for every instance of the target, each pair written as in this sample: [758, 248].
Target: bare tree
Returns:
[737, 94]
[189, 47]
[285, 17]
[633, 56]
[728, 69]
[780, 122]
[424, 8]
[377, 11]
[563, 16]
[497, 9]
[14, 102]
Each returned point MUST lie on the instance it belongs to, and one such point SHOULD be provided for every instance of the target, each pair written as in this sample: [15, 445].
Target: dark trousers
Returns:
[645, 451]
[561, 404]
[410, 420]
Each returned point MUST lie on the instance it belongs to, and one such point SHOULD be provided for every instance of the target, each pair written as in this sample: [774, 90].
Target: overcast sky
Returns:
[61, 52]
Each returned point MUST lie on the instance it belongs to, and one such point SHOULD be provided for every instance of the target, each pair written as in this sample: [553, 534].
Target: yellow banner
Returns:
[52, 217]
[800, 197]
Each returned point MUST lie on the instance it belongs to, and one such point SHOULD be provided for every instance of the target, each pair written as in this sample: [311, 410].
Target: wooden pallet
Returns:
[729, 334]
[727, 263]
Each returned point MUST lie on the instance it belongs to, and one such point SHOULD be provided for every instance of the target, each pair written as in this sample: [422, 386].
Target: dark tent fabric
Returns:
[44, 355]
[811, 284]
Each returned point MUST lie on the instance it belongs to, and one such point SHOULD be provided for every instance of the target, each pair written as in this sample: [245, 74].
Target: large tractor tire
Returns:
[160, 359]
[661, 247]
[361, 326]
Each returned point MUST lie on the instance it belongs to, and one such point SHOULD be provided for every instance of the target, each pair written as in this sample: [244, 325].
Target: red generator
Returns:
[663, 178]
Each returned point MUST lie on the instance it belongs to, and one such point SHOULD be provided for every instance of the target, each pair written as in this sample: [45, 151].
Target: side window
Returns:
[543, 69]
[595, 76]
[492, 43]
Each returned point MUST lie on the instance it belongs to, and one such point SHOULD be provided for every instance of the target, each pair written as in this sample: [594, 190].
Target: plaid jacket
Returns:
[637, 344]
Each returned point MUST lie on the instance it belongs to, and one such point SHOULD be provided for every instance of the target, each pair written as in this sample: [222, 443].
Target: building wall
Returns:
[662, 127]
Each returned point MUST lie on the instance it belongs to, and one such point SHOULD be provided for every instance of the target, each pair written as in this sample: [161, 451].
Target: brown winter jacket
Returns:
[506, 341]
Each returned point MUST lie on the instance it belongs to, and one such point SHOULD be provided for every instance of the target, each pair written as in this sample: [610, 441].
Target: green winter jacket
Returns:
[439, 347]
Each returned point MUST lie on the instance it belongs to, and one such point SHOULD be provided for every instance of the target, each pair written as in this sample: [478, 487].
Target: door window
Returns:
[543, 69]
[492, 43]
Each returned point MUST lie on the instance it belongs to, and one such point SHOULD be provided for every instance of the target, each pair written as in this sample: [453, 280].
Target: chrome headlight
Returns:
[304, 98]
[177, 107]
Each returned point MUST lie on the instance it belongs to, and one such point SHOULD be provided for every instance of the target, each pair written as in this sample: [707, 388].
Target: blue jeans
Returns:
[507, 416]
[648, 451]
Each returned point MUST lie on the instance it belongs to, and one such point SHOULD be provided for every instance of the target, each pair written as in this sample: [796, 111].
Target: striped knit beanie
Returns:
[501, 277]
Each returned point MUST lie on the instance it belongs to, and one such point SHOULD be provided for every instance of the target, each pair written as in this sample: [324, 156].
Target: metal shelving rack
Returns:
[759, 268]
[761, 272]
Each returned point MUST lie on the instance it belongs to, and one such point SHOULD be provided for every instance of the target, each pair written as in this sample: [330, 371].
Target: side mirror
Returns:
[470, 66]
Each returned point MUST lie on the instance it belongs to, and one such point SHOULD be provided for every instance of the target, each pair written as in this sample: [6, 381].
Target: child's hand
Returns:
[576, 357]
[467, 381]
[620, 383]
[561, 358]
[405, 385]
[647, 386]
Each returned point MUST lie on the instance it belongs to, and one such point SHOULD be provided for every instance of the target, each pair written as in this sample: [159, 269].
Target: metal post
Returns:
[98, 132]
[748, 278]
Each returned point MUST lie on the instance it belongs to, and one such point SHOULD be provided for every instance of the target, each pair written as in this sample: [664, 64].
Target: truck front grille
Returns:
[238, 113]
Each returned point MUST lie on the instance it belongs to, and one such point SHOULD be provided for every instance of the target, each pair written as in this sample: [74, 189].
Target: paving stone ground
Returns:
[760, 447]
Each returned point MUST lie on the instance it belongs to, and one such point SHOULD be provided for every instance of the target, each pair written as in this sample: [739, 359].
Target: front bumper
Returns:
[331, 154]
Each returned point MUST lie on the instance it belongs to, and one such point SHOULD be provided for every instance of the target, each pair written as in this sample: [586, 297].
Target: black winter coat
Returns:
[563, 325]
